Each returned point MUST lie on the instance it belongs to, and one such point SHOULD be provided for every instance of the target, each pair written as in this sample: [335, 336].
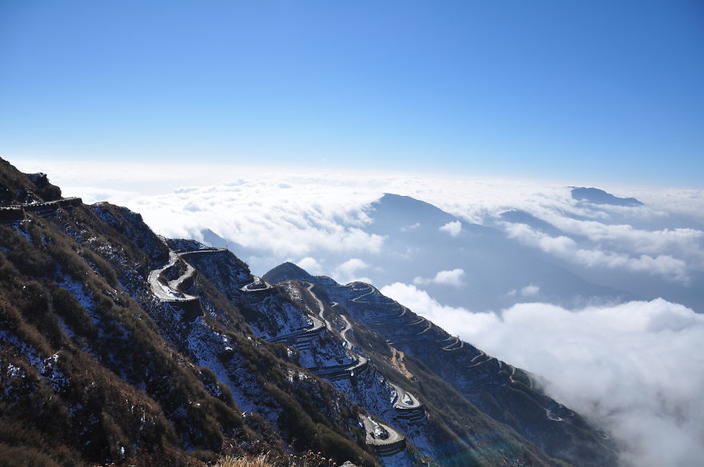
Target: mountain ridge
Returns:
[599, 196]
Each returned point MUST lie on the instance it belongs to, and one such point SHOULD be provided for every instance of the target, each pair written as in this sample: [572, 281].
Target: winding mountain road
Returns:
[344, 331]
[385, 440]
[17, 212]
[360, 297]
[321, 307]
[360, 363]
[170, 291]
[456, 344]
[404, 399]
[257, 285]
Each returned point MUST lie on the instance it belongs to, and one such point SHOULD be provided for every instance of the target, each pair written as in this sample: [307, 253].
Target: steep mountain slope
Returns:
[98, 368]
[317, 334]
[117, 345]
[424, 353]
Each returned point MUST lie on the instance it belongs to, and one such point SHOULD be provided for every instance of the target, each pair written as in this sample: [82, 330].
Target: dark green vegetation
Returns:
[95, 368]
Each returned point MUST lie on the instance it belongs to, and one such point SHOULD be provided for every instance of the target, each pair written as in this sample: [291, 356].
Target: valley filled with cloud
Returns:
[634, 367]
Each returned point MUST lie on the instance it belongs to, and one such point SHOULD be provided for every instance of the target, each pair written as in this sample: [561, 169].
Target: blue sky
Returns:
[558, 89]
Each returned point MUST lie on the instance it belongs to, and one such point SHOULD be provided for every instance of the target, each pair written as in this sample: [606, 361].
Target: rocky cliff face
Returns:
[117, 345]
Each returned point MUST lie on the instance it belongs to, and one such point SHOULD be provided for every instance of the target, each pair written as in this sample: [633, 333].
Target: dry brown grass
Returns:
[398, 363]
[309, 459]
[262, 460]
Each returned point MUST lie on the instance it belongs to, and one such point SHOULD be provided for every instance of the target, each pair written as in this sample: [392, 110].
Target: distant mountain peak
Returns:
[392, 212]
[397, 200]
[519, 216]
[599, 196]
[285, 272]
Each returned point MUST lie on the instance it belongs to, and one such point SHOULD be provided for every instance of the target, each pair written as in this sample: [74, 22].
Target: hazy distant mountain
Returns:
[571, 258]
[419, 242]
[517, 216]
[418, 245]
[597, 196]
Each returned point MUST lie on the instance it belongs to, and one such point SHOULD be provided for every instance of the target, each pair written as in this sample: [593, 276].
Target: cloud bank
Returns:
[530, 290]
[663, 265]
[310, 264]
[635, 368]
[350, 271]
[291, 213]
[453, 228]
[453, 277]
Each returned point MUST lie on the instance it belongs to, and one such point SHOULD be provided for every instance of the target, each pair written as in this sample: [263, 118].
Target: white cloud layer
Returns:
[527, 291]
[452, 277]
[349, 271]
[453, 228]
[666, 266]
[292, 212]
[636, 368]
[310, 264]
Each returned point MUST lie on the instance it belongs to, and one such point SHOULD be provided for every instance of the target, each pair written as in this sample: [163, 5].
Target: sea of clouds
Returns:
[293, 212]
[636, 368]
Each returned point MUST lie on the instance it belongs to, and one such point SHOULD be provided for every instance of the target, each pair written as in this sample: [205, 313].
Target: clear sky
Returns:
[604, 89]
